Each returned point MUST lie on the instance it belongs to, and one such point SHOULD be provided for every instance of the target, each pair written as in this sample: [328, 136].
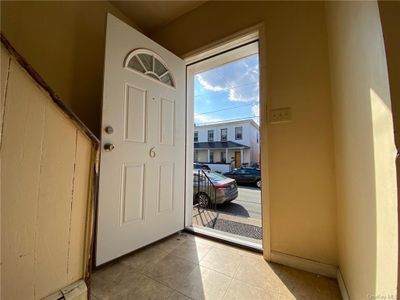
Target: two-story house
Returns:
[234, 142]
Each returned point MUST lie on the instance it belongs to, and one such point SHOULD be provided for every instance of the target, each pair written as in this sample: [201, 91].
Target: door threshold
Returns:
[225, 238]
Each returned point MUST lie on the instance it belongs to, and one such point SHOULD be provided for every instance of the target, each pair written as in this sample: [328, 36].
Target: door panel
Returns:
[167, 121]
[165, 194]
[141, 190]
[132, 193]
[135, 114]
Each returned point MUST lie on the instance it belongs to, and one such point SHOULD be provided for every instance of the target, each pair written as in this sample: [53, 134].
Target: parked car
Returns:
[246, 176]
[212, 188]
[255, 165]
[197, 166]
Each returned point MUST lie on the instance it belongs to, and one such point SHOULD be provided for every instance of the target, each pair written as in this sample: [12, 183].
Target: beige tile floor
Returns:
[185, 266]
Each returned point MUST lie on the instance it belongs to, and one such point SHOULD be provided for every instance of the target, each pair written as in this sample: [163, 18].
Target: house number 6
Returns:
[152, 152]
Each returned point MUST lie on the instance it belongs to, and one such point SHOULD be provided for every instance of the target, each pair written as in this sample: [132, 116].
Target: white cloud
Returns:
[255, 109]
[199, 118]
[208, 86]
[239, 79]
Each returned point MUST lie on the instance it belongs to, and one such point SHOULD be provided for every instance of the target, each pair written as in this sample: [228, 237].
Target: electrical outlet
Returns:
[279, 115]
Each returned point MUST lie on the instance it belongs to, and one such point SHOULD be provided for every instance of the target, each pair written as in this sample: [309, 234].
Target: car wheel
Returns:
[258, 183]
[203, 200]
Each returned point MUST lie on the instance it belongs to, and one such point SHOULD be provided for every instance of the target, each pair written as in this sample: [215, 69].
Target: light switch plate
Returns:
[279, 115]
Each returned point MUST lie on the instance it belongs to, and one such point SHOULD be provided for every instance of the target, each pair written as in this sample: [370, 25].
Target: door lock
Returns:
[109, 147]
[109, 130]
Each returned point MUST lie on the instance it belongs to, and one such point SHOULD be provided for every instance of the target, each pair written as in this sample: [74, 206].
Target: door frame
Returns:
[241, 38]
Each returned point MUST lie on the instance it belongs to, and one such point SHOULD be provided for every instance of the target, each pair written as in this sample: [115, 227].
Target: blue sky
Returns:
[228, 92]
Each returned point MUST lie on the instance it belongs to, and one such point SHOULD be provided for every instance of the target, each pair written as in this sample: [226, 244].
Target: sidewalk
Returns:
[247, 227]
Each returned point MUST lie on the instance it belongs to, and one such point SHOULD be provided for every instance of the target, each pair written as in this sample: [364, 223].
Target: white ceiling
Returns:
[151, 15]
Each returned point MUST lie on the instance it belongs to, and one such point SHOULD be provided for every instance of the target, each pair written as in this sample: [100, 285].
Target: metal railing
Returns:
[204, 187]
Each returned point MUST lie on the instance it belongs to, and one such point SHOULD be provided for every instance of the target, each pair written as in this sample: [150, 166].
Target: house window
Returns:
[196, 136]
[224, 134]
[223, 157]
[238, 133]
[150, 64]
[211, 135]
[196, 156]
[211, 157]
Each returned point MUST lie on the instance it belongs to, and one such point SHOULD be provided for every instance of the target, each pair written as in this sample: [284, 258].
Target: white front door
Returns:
[142, 172]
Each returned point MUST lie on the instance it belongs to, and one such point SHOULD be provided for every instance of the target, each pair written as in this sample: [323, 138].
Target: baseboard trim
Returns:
[76, 290]
[342, 286]
[304, 264]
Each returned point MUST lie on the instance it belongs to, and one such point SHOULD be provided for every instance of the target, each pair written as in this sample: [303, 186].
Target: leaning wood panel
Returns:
[47, 164]
[21, 155]
[4, 65]
[55, 201]
[76, 258]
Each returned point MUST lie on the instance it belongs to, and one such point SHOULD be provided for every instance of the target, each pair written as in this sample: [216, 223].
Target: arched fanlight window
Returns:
[150, 64]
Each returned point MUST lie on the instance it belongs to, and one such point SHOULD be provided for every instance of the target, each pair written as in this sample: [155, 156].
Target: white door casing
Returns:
[141, 188]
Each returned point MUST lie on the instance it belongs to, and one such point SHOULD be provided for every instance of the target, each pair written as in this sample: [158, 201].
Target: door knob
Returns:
[109, 147]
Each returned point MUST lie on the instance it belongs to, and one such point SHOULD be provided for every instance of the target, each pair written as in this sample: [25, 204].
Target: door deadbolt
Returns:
[109, 147]
[109, 130]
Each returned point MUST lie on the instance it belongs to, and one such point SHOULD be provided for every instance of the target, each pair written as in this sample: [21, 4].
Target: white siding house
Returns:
[235, 143]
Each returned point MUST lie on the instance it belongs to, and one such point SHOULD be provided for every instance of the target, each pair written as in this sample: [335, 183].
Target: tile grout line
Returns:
[208, 268]
[250, 284]
[171, 253]
[229, 286]
[164, 284]
[199, 265]
[142, 272]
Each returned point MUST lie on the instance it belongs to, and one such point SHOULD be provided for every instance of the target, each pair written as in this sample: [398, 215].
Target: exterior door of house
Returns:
[141, 190]
[238, 159]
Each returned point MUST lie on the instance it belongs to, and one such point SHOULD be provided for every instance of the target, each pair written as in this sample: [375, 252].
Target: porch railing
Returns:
[204, 187]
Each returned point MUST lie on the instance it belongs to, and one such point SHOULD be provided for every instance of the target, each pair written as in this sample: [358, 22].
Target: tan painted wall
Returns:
[301, 169]
[364, 150]
[45, 171]
[390, 12]
[64, 42]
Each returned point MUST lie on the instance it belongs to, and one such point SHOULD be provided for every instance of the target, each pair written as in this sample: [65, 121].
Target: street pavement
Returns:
[247, 204]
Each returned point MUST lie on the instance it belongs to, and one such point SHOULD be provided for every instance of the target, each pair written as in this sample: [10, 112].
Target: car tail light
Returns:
[221, 187]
